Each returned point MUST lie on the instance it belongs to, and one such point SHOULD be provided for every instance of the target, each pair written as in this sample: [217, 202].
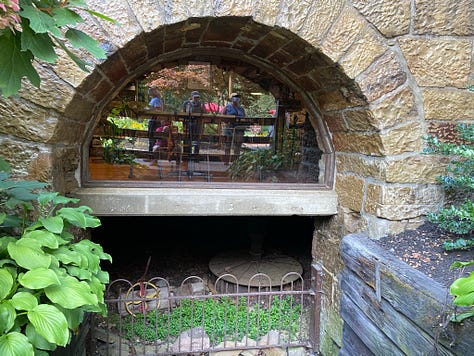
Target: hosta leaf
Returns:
[80, 273]
[81, 40]
[38, 278]
[464, 300]
[50, 323]
[24, 301]
[54, 224]
[75, 217]
[37, 340]
[27, 253]
[15, 343]
[43, 238]
[14, 65]
[66, 256]
[74, 317]
[7, 316]
[71, 293]
[40, 44]
[6, 283]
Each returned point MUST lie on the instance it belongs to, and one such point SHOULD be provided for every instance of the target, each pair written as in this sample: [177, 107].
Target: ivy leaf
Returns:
[6, 283]
[15, 64]
[15, 343]
[38, 278]
[81, 40]
[40, 22]
[24, 301]
[50, 323]
[40, 44]
[71, 293]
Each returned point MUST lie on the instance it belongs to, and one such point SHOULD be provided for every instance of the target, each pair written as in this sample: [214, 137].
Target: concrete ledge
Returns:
[107, 201]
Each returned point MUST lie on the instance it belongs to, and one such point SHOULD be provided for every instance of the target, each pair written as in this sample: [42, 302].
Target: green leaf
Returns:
[50, 323]
[71, 293]
[54, 224]
[38, 278]
[457, 318]
[15, 343]
[28, 254]
[66, 256]
[75, 217]
[40, 44]
[43, 238]
[37, 340]
[6, 283]
[79, 62]
[24, 301]
[15, 64]
[65, 16]
[80, 273]
[40, 22]
[74, 317]
[81, 40]
[7, 316]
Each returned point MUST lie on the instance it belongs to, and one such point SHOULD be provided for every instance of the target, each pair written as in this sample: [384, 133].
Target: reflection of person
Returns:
[157, 104]
[233, 132]
[193, 106]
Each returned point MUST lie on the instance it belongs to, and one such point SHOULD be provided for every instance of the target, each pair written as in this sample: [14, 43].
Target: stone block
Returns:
[343, 33]
[448, 104]
[438, 62]
[391, 18]
[358, 143]
[320, 16]
[360, 120]
[406, 138]
[395, 202]
[351, 191]
[420, 169]
[383, 76]
[360, 165]
[362, 53]
[444, 17]
[394, 109]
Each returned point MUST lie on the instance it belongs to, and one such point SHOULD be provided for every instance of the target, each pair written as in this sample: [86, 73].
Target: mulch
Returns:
[422, 249]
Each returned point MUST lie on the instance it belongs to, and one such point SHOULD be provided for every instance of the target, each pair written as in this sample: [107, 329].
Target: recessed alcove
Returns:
[183, 246]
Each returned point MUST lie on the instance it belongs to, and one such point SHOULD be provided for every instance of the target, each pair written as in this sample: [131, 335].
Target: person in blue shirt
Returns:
[234, 133]
[157, 104]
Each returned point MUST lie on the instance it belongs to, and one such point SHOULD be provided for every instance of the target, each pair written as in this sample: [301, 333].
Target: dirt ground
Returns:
[423, 249]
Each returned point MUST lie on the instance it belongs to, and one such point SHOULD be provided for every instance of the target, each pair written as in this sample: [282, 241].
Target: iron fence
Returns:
[154, 318]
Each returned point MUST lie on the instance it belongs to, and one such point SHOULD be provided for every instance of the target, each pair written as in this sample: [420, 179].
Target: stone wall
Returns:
[377, 75]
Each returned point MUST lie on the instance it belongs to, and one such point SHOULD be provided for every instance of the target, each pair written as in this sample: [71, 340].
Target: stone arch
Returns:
[350, 75]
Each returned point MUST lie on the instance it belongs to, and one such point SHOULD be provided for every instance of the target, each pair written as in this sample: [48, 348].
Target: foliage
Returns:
[254, 164]
[48, 280]
[463, 291]
[460, 177]
[32, 29]
[221, 319]
[458, 219]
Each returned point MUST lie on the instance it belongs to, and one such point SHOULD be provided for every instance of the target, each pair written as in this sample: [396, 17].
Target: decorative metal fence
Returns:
[154, 318]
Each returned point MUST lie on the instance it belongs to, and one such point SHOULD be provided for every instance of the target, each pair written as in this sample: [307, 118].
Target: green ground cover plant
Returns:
[48, 278]
[223, 318]
[458, 219]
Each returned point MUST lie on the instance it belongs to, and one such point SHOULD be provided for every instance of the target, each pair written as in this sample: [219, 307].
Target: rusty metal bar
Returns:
[316, 288]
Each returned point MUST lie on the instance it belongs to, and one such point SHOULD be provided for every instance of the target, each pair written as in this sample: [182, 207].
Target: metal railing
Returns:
[154, 318]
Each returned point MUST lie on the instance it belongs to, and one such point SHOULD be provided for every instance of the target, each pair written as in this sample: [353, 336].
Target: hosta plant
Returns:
[48, 277]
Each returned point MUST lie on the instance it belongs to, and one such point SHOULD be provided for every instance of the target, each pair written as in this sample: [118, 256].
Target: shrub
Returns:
[48, 278]
[458, 219]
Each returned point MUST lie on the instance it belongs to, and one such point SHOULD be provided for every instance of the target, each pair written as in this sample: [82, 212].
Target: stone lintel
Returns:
[207, 202]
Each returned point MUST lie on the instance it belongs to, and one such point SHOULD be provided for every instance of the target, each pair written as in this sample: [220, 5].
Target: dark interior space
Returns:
[183, 246]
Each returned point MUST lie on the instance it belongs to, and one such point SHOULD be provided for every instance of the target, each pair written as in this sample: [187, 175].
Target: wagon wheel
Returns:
[142, 293]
